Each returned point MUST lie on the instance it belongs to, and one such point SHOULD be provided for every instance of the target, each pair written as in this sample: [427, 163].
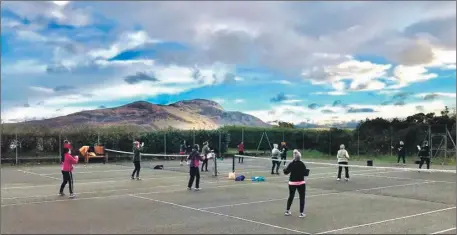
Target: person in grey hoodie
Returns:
[275, 154]
[205, 151]
[137, 149]
[194, 169]
[343, 158]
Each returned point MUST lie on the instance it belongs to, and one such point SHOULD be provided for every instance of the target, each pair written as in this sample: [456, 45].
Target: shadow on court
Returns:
[108, 201]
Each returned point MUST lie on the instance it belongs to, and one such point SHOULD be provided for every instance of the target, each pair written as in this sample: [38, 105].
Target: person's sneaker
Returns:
[61, 194]
[132, 178]
[189, 188]
[338, 179]
[347, 179]
[302, 215]
[277, 173]
[180, 164]
[287, 213]
[272, 173]
[138, 178]
[72, 195]
[197, 189]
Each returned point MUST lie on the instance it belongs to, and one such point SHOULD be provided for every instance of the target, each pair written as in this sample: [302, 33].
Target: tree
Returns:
[285, 125]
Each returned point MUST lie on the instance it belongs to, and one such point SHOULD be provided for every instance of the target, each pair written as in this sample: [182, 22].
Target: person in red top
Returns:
[67, 169]
[241, 152]
[66, 145]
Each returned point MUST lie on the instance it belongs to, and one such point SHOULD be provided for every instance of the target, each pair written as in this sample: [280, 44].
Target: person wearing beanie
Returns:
[401, 153]
[137, 149]
[296, 169]
[241, 152]
[66, 145]
[194, 169]
[275, 154]
[205, 151]
[424, 154]
[343, 158]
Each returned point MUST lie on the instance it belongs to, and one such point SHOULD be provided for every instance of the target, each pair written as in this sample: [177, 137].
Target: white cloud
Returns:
[239, 101]
[438, 94]
[218, 100]
[283, 82]
[23, 67]
[21, 114]
[42, 89]
[297, 114]
[409, 74]
[291, 101]
[333, 93]
[127, 41]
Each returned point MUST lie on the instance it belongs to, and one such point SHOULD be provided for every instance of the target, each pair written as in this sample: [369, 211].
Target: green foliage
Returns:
[285, 125]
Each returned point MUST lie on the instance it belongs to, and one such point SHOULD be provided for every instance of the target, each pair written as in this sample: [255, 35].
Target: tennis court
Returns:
[108, 201]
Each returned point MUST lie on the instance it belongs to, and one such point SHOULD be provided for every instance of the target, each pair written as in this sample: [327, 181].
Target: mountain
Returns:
[188, 114]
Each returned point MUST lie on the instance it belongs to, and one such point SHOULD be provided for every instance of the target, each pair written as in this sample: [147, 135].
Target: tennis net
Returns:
[166, 162]
[437, 184]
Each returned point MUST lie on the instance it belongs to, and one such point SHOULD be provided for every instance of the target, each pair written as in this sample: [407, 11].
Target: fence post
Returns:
[60, 146]
[17, 145]
[242, 135]
[391, 141]
[165, 143]
[330, 141]
[358, 142]
[303, 142]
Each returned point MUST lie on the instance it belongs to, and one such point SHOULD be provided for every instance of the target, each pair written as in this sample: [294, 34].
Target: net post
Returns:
[391, 130]
[358, 141]
[165, 143]
[233, 164]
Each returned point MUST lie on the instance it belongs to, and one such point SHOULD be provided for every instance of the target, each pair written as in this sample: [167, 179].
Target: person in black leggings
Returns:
[424, 154]
[401, 153]
[296, 169]
[137, 149]
[284, 150]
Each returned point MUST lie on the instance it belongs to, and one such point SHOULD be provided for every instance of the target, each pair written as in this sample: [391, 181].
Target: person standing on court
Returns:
[296, 169]
[182, 151]
[275, 154]
[241, 152]
[194, 169]
[424, 154]
[137, 149]
[343, 158]
[284, 150]
[401, 153]
[205, 151]
[67, 169]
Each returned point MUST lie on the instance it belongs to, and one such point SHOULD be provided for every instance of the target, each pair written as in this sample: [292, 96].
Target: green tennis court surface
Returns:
[373, 201]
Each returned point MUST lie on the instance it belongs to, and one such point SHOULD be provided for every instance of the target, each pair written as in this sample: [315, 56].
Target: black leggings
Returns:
[301, 193]
[205, 164]
[194, 173]
[426, 160]
[346, 169]
[240, 159]
[67, 178]
[137, 169]
[283, 158]
[401, 156]
[277, 164]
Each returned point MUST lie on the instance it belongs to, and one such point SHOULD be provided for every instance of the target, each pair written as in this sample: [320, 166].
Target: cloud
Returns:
[239, 101]
[314, 106]
[279, 98]
[361, 110]
[101, 107]
[283, 82]
[218, 100]
[355, 113]
[332, 93]
[435, 95]
[140, 77]
[327, 111]
[338, 103]
[63, 88]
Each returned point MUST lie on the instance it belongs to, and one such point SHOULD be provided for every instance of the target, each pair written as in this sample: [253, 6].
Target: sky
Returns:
[314, 62]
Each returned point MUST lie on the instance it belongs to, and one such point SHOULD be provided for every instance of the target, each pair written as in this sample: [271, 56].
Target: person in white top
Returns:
[343, 158]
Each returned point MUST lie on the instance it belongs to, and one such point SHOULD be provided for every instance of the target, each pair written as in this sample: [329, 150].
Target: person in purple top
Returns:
[194, 169]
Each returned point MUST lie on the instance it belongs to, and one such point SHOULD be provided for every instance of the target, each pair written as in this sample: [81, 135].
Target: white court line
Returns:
[33, 173]
[91, 182]
[220, 214]
[313, 195]
[403, 178]
[443, 231]
[145, 193]
[90, 172]
[389, 220]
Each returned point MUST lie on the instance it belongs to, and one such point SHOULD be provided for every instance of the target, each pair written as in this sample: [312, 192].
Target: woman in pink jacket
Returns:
[67, 168]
